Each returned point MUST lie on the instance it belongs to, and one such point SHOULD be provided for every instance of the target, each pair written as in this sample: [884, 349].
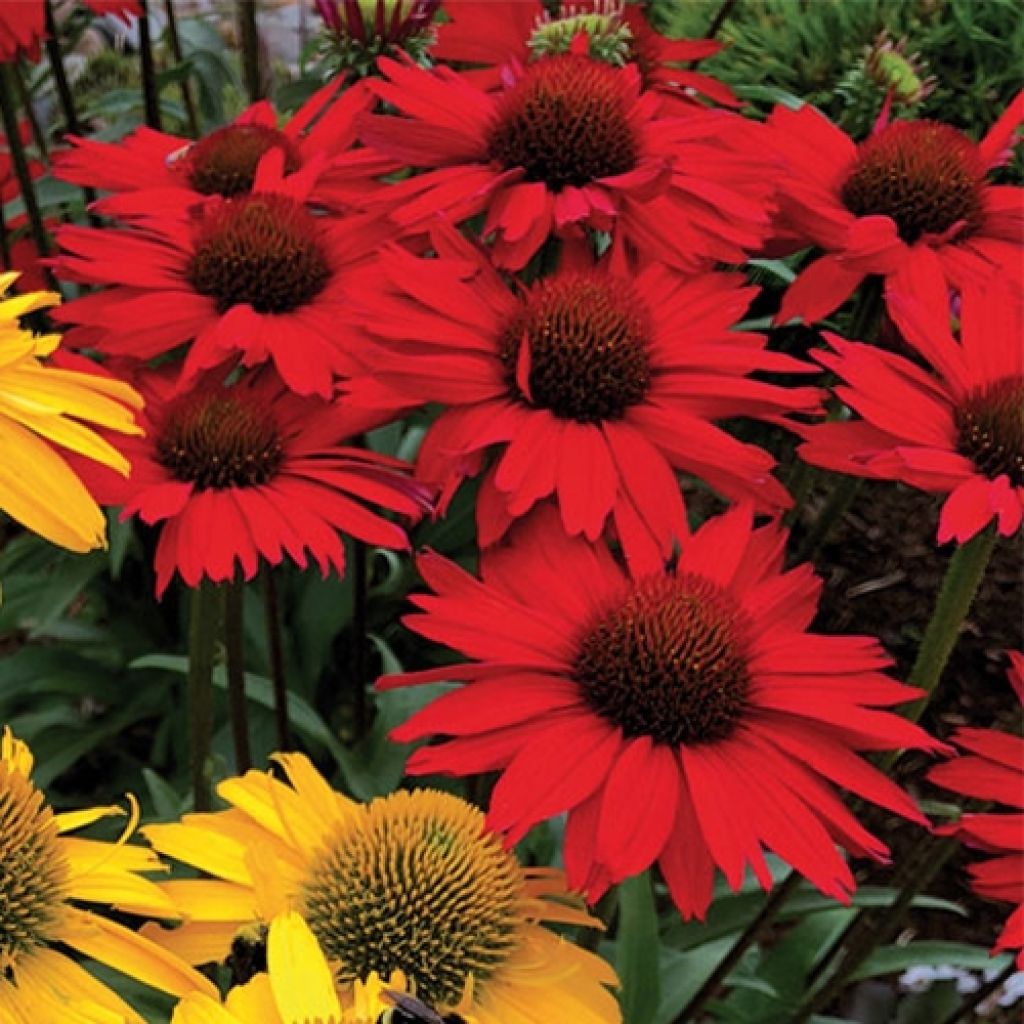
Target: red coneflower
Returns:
[22, 30]
[166, 173]
[993, 769]
[377, 26]
[247, 472]
[23, 24]
[256, 277]
[682, 716]
[958, 430]
[589, 384]
[569, 144]
[492, 34]
[911, 201]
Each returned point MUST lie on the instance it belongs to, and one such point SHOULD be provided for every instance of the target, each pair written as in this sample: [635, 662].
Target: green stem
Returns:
[5, 242]
[360, 701]
[963, 577]
[21, 172]
[756, 927]
[250, 49]
[276, 651]
[64, 94]
[60, 77]
[234, 645]
[867, 311]
[838, 503]
[25, 98]
[873, 928]
[150, 94]
[203, 629]
[965, 1010]
[717, 22]
[605, 911]
[186, 86]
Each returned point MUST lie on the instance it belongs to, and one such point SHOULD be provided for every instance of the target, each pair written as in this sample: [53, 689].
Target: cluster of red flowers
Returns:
[551, 274]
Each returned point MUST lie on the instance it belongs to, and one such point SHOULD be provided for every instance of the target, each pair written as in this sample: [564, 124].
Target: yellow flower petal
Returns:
[200, 1009]
[71, 821]
[39, 490]
[192, 843]
[201, 900]
[302, 983]
[254, 1003]
[15, 754]
[202, 942]
[131, 953]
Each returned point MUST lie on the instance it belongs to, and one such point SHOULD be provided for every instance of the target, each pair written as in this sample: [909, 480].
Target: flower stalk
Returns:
[250, 49]
[360, 701]
[8, 110]
[963, 577]
[275, 648]
[187, 98]
[234, 632]
[203, 630]
[756, 927]
[150, 94]
[64, 95]
[965, 1011]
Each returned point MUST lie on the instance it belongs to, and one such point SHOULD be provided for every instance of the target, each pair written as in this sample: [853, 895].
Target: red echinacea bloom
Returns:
[377, 26]
[23, 24]
[956, 430]
[256, 277]
[163, 173]
[913, 199]
[570, 143]
[251, 472]
[684, 716]
[493, 33]
[589, 384]
[22, 30]
[992, 769]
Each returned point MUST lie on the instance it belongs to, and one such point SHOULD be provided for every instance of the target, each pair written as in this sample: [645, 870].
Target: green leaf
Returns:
[167, 802]
[933, 952]
[729, 914]
[779, 268]
[301, 715]
[785, 966]
[374, 766]
[119, 538]
[682, 975]
[636, 959]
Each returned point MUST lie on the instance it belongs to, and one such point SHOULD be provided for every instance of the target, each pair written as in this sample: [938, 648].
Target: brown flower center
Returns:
[565, 122]
[417, 885]
[927, 177]
[33, 871]
[216, 439]
[588, 337]
[990, 430]
[262, 250]
[668, 661]
[224, 162]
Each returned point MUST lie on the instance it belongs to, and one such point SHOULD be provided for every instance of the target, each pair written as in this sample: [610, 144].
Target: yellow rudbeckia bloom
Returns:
[413, 883]
[297, 985]
[44, 876]
[297, 988]
[42, 406]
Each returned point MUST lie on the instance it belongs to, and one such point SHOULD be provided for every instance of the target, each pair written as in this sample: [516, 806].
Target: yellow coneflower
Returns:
[411, 883]
[44, 407]
[44, 876]
[296, 987]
